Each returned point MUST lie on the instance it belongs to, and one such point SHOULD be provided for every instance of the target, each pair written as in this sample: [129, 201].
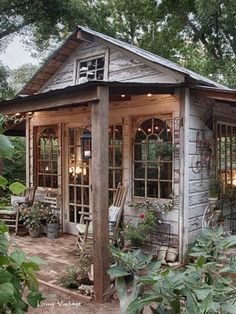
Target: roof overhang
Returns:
[214, 93]
[80, 94]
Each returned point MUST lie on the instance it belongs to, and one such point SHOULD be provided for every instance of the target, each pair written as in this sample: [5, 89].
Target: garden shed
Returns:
[155, 126]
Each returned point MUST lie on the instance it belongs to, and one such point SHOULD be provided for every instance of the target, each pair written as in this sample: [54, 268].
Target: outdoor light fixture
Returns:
[85, 142]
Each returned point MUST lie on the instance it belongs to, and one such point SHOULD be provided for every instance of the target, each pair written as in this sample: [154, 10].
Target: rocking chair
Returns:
[85, 228]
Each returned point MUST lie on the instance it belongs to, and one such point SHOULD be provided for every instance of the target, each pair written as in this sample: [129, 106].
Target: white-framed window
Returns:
[90, 69]
[153, 159]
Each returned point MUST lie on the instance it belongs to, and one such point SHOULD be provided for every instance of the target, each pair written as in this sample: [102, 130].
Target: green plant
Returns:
[15, 188]
[201, 287]
[51, 218]
[141, 232]
[31, 218]
[69, 279]
[18, 282]
[78, 274]
[213, 187]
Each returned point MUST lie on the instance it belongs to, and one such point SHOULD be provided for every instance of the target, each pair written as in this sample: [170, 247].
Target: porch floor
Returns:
[58, 253]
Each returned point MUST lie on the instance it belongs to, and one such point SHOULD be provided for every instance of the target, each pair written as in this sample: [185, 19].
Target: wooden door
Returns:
[77, 173]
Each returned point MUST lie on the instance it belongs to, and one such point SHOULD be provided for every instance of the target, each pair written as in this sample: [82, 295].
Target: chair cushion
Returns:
[113, 213]
[82, 228]
[8, 210]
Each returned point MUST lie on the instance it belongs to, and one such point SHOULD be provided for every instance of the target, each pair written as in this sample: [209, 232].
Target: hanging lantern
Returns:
[85, 141]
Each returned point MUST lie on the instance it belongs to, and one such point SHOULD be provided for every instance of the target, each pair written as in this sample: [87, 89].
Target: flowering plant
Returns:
[137, 234]
[52, 218]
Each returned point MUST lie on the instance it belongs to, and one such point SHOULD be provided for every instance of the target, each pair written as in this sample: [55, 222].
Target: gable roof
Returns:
[72, 42]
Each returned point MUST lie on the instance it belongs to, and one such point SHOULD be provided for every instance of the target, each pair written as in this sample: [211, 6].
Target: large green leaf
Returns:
[6, 293]
[5, 276]
[3, 181]
[37, 260]
[192, 305]
[140, 302]
[34, 298]
[117, 271]
[18, 256]
[17, 188]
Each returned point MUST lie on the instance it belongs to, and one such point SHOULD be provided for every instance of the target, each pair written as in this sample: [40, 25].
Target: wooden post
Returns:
[184, 173]
[100, 126]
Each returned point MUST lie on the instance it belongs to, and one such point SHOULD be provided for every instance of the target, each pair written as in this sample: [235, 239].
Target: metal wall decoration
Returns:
[203, 156]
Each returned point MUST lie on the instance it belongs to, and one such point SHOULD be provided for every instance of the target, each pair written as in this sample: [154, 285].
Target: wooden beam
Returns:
[81, 35]
[100, 126]
[47, 101]
[184, 173]
[227, 96]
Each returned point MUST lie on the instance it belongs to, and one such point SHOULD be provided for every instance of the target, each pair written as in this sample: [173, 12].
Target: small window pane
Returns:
[78, 195]
[139, 188]
[71, 194]
[152, 189]
[71, 214]
[86, 196]
[166, 171]
[152, 171]
[139, 170]
[166, 189]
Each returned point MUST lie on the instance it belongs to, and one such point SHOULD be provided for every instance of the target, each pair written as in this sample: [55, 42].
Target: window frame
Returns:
[136, 124]
[225, 154]
[90, 56]
[36, 148]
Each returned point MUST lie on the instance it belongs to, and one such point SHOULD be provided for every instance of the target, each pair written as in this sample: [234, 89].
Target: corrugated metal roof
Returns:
[154, 58]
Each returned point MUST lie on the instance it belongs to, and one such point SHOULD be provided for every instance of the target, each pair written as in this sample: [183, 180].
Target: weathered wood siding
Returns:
[120, 66]
[198, 182]
[125, 112]
[200, 110]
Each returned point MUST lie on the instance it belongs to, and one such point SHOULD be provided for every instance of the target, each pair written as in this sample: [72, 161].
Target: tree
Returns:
[196, 34]
[20, 76]
[5, 90]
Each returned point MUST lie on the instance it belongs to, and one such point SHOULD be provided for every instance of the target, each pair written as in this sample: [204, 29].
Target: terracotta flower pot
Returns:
[172, 254]
[34, 232]
[162, 254]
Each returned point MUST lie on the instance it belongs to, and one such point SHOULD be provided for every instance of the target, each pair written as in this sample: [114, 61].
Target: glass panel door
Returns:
[78, 181]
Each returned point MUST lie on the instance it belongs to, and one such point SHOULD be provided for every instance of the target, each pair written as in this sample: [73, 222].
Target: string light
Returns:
[149, 95]
[139, 129]
[149, 130]
[123, 96]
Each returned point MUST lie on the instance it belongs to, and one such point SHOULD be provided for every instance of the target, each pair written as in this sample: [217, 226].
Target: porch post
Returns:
[99, 112]
[184, 173]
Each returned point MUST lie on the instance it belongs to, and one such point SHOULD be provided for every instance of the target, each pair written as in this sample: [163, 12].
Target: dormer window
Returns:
[91, 69]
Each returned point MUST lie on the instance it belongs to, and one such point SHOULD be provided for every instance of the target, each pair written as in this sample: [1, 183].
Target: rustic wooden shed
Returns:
[131, 101]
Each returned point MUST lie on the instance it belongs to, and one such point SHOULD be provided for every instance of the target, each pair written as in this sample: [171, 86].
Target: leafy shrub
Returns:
[69, 279]
[201, 287]
[141, 232]
[17, 272]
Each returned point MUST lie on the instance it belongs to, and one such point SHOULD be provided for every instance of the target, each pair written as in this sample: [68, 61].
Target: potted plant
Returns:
[31, 219]
[213, 191]
[52, 225]
[139, 233]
